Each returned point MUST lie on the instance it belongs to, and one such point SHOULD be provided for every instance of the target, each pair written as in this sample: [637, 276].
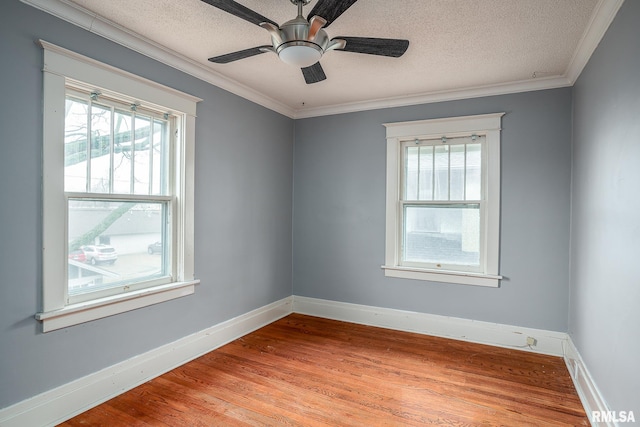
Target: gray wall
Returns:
[605, 226]
[244, 202]
[243, 197]
[339, 212]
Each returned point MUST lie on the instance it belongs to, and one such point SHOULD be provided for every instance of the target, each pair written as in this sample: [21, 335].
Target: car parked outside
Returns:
[155, 248]
[99, 253]
[77, 256]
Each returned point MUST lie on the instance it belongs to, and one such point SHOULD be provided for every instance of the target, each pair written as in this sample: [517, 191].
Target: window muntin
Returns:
[129, 155]
[441, 205]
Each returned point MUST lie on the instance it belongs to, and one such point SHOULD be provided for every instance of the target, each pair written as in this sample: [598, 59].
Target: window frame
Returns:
[487, 125]
[114, 103]
[64, 68]
[405, 202]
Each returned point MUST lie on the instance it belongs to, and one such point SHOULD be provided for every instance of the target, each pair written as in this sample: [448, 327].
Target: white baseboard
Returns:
[586, 387]
[515, 337]
[57, 405]
[68, 400]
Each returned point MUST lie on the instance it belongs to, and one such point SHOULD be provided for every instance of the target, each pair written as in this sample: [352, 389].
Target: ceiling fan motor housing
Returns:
[300, 42]
[295, 33]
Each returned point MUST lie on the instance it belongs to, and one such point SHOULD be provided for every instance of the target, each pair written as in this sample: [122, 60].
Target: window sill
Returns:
[459, 277]
[74, 314]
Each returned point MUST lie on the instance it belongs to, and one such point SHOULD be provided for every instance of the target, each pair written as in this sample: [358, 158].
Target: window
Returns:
[117, 191]
[443, 200]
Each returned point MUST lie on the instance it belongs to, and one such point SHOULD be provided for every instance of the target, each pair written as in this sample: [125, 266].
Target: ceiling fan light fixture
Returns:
[299, 53]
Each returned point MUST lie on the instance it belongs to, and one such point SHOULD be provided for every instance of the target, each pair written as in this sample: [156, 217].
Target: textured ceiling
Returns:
[454, 44]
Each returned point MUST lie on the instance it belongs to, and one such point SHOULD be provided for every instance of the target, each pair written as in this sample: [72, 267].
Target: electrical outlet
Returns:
[531, 341]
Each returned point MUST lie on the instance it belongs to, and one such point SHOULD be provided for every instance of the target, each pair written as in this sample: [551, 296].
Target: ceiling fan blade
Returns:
[240, 11]
[330, 9]
[374, 46]
[241, 54]
[313, 74]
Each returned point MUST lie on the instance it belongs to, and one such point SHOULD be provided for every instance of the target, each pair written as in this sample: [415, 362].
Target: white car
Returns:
[99, 253]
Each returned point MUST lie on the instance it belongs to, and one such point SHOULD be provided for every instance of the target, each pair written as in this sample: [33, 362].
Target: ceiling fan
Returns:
[302, 41]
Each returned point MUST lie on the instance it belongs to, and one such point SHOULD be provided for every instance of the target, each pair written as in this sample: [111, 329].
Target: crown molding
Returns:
[540, 83]
[603, 15]
[601, 18]
[103, 27]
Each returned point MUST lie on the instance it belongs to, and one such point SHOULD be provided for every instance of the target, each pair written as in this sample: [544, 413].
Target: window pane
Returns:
[441, 190]
[159, 158]
[474, 177]
[129, 153]
[456, 172]
[100, 149]
[426, 173]
[122, 153]
[141, 155]
[411, 173]
[113, 244]
[442, 234]
[75, 145]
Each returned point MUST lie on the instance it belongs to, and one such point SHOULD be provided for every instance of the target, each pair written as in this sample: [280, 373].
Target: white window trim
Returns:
[59, 65]
[485, 124]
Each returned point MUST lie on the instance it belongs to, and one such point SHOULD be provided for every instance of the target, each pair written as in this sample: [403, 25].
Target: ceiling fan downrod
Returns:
[300, 4]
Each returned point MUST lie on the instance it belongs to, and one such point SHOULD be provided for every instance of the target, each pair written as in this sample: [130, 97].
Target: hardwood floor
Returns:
[308, 371]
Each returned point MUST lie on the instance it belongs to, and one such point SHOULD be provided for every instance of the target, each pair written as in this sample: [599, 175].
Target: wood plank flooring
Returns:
[308, 371]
